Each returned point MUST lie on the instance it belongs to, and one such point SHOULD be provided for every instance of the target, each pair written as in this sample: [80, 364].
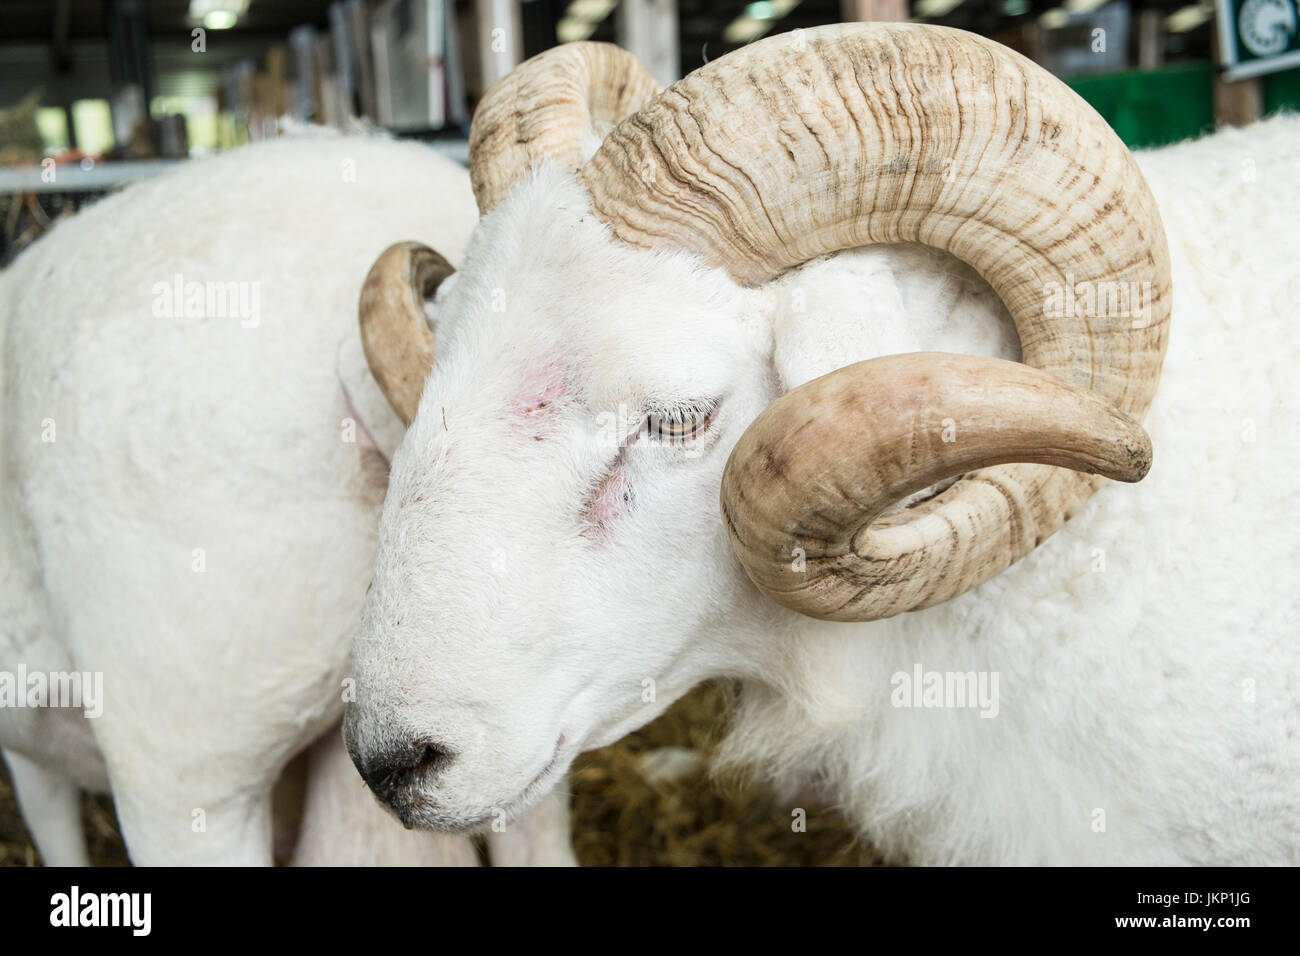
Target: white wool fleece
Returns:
[542, 588]
[186, 506]
[1148, 654]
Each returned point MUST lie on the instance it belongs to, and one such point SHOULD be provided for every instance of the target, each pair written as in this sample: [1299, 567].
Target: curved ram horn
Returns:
[824, 461]
[889, 133]
[550, 107]
[395, 332]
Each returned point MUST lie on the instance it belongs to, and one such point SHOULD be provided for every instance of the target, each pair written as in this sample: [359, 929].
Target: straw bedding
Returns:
[646, 801]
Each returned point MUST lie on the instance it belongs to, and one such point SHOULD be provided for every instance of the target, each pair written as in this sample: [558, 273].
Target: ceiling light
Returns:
[1054, 19]
[936, 8]
[201, 9]
[571, 31]
[589, 11]
[1188, 18]
[219, 19]
[759, 17]
[745, 29]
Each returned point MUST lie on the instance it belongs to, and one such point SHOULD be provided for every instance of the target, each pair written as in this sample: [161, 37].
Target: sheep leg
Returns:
[51, 806]
[539, 838]
[168, 829]
[343, 825]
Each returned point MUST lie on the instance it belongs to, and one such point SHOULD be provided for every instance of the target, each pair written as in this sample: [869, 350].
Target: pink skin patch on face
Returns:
[609, 501]
[542, 390]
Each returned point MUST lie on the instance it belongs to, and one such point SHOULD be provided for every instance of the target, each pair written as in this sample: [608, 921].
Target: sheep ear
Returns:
[836, 311]
[435, 307]
[884, 300]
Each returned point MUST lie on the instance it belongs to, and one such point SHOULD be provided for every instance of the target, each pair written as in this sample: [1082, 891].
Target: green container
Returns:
[1155, 107]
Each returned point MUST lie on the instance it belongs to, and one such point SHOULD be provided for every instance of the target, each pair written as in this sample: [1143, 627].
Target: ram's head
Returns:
[553, 567]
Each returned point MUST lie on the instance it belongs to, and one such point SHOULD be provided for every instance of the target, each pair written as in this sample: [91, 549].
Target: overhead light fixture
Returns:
[590, 11]
[1080, 7]
[936, 8]
[759, 18]
[570, 30]
[1054, 19]
[581, 19]
[1188, 18]
[217, 14]
[745, 29]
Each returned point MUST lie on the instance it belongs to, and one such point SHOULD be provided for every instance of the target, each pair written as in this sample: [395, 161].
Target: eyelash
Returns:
[680, 425]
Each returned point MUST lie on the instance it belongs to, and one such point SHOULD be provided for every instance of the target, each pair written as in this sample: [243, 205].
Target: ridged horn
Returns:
[826, 460]
[395, 332]
[808, 143]
[550, 107]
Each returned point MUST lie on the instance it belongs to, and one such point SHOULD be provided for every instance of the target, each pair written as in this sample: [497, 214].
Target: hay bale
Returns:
[631, 809]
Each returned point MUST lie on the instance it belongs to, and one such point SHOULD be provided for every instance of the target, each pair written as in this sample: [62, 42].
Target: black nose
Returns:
[392, 771]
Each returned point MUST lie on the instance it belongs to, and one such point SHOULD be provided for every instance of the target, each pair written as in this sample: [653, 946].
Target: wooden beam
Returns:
[1151, 39]
[648, 29]
[500, 38]
[1236, 102]
[873, 11]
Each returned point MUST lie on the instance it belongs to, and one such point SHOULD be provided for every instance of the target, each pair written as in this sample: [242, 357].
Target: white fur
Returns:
[180, 433]
[1147, 655]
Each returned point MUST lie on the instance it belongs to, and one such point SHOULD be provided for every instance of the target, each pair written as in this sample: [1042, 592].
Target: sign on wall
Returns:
[1258, 36]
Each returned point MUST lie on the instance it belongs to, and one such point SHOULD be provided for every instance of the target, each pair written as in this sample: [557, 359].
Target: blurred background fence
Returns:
[95, 93]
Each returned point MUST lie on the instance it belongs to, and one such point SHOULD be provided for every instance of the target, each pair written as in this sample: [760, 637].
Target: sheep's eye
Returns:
[680, 425]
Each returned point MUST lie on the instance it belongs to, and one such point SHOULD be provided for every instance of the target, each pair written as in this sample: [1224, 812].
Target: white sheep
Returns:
[553, 570]
[192, 462]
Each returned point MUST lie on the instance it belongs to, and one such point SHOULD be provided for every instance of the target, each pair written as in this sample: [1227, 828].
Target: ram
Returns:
[193, 459]
[943, 609]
